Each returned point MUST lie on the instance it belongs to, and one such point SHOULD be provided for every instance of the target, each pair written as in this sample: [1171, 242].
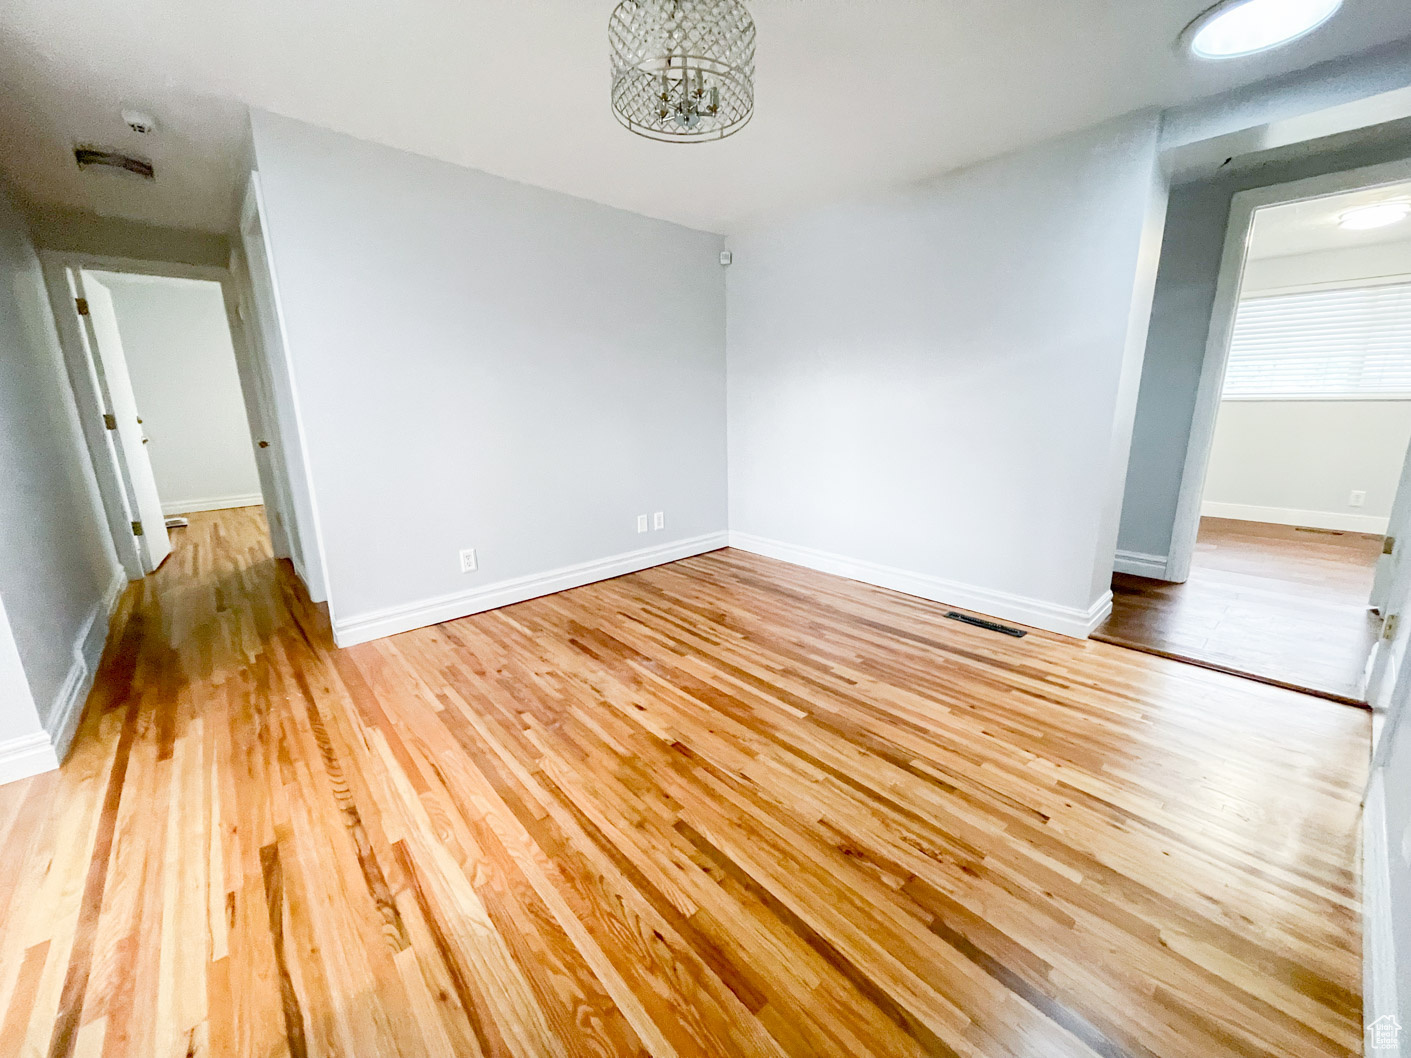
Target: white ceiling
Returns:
[1311, 226]
[852, 94]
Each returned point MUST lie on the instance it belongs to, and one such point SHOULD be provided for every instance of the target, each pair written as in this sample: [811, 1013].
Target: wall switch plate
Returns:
[659, 520]
[641, 523]
[468, 563]
[1357, 499]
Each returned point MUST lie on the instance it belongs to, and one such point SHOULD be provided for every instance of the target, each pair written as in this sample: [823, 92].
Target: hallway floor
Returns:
[724, 807]
[1280, 604]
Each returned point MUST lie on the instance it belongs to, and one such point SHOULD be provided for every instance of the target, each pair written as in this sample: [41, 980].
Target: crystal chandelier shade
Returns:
[682, 70]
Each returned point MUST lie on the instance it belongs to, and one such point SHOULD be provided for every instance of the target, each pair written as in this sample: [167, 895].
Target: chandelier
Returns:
[682, 70]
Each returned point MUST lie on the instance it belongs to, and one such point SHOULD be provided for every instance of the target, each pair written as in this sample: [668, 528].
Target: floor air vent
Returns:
[993, 626]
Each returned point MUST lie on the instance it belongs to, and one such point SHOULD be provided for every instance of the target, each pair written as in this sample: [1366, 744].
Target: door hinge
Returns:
[82, 305]
[1389, 626]
[1388, 545]
[136, 528]
[110, 422]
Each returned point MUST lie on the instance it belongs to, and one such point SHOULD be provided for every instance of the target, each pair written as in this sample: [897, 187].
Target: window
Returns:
[1349, 343]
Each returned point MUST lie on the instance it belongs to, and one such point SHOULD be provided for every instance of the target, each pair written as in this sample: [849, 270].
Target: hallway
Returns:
[725, 806]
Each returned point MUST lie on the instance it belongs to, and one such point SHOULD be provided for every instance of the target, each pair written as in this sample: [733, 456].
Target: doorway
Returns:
[1285, 556]
[166, 381]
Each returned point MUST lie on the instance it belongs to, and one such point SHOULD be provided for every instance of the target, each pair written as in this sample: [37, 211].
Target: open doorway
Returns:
[169, 370]
[1284, 556]
[173, 392]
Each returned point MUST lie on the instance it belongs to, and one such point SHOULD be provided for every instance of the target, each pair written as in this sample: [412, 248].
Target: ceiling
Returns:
[852, 94]
[1311, 226]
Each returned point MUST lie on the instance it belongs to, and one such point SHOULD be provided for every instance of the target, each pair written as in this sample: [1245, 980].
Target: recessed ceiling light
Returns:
[1377, 216]
[1235, 28]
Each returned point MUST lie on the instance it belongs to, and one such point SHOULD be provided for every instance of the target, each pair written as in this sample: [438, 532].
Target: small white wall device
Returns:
[139, 121]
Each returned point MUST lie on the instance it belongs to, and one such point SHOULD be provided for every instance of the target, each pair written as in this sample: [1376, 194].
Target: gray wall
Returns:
[179, 354]
[481, 363]
[56, 563]
[74, 231]
[1180, 322]
[932, 380]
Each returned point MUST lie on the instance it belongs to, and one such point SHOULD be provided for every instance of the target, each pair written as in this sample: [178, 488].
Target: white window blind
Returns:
[1350, 342]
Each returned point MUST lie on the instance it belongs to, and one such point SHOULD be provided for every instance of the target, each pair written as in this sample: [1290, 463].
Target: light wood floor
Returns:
[1272, 602]
[723, 807]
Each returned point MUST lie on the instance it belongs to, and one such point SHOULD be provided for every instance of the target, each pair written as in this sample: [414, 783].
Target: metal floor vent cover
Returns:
[993, 626]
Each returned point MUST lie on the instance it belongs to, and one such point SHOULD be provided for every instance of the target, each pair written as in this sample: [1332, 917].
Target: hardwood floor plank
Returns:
[1277, 603]
[720, 807]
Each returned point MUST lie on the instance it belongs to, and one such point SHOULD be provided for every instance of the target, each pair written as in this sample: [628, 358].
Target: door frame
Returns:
[55, 265]
[1222, 324]
[268, 334]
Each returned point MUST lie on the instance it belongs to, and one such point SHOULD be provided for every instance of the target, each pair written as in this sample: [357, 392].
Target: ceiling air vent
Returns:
[93, 157]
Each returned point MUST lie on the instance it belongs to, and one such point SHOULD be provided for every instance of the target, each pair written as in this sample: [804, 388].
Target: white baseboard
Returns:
[1379, 961]
[1348, 523]
[25, 756]
[363, 627]
[45, 750]
[213, 503]
[67, 709]
[1140, 564]
[1066, 620]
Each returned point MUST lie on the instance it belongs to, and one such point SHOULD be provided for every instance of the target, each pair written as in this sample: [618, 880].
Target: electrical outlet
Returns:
[468, 563]
[659, 520]
[641, 523]
[1357, 499]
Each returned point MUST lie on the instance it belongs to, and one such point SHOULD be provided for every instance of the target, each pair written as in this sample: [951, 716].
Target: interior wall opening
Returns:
[1287, 565]
[160, 371]
[181, 362]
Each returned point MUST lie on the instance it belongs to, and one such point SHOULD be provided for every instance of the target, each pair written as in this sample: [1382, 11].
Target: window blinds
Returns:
[1351, 342]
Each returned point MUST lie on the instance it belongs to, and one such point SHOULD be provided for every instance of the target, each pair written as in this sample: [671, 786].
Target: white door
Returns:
[1394, 550]
[1391, 589]
[260, 298]
[259, 409]
[100, 326]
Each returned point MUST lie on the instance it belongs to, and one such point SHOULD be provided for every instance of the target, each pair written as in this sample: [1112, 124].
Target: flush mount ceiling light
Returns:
[682, 70]
[1364, 218]
[1237, 28]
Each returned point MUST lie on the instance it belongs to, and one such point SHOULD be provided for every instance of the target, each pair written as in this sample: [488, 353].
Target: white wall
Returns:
[182, 363]
[1264, 275]
[485, 364]
[56, 563]
[1386, 884]
[931, 389]
[1296, 462]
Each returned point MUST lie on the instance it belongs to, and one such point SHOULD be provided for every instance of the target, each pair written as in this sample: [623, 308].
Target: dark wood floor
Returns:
[722, 807]
[1273, 602]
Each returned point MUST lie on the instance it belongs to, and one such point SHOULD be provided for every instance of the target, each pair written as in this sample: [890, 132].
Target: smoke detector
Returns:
[139, 121]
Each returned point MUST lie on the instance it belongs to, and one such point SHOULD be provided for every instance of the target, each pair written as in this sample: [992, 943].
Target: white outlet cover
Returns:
[659, 520]
[1357, 499]
[468, 562]
[641, 523]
